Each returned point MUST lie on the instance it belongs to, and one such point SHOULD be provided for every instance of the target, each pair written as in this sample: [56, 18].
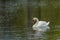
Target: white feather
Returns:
[41, 25]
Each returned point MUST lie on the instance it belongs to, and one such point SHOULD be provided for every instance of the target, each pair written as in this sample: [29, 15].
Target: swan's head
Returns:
[35, 20]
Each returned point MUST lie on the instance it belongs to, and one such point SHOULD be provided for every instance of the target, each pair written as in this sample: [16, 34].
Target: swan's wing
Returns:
[42, 26]
[41, 23]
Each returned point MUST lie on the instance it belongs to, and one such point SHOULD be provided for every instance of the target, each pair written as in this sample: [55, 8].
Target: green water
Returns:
[16, 19]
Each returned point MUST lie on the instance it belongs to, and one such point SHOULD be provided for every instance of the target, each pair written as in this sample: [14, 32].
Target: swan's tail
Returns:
[48, 23]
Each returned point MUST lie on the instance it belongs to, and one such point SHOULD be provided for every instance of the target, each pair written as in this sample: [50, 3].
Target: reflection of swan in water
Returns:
[40, 26]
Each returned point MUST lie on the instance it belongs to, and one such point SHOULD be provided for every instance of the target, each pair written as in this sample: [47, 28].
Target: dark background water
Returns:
[16, 18]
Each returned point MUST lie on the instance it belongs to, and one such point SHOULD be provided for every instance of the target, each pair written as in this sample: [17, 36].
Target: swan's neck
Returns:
[35, 24]
[37, 20]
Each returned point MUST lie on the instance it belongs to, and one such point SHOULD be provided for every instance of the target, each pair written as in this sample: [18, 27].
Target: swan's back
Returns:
[42, 26]
[43, 23]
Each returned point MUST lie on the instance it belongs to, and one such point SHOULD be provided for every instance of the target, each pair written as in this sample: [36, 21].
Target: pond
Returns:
[16, 16]
[29, 35]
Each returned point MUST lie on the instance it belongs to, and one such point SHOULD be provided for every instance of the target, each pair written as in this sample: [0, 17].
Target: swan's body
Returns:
[40, 25]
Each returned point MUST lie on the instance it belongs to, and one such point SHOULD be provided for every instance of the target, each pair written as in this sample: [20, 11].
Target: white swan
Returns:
[40, 25]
